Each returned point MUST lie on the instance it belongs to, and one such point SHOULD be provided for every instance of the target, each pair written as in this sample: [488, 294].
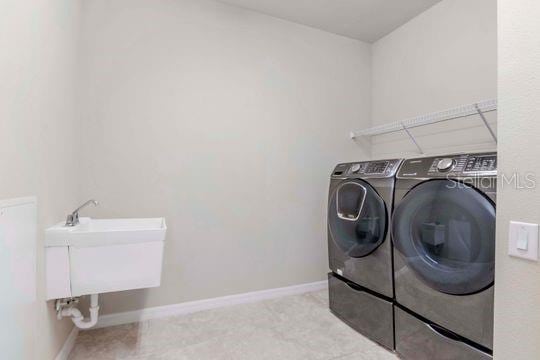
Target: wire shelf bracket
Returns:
[479, 108]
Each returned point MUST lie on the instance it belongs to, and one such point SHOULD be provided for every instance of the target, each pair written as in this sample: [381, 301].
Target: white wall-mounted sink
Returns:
[104, 255]
[98, 232]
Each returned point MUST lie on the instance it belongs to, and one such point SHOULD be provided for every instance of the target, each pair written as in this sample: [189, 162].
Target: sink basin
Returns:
[99, 232]
[103, 255]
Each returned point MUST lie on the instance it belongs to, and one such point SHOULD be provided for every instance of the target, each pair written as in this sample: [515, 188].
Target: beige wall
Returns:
[37, 130]
[517, 289]
[226, 122]
[445, 57]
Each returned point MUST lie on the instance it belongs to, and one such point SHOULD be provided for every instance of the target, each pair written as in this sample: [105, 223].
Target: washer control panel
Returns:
[377, 168]
[481, 163]
[460, 165]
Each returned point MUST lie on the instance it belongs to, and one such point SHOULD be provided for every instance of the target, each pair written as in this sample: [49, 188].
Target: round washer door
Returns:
[357, 218]
[445, 230]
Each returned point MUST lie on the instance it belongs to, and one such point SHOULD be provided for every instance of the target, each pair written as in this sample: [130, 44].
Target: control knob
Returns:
[355, 168]
[445, 164]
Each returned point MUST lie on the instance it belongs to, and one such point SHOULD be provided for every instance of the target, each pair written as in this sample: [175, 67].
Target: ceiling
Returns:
[366, 20]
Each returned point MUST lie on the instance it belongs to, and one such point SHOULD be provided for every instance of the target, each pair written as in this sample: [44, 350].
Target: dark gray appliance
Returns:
[443, 231]
[359, 246]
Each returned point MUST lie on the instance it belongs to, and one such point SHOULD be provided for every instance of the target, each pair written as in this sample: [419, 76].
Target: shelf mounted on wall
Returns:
[479, 108]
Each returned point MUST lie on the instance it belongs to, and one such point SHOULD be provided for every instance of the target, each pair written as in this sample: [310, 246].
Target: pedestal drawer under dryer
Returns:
[418, 340]
[368, 314]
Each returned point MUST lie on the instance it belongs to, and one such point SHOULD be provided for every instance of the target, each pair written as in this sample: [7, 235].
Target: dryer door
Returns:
[445, 230]
[357, 218]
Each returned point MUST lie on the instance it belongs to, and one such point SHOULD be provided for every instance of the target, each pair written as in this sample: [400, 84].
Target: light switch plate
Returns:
[523, 240]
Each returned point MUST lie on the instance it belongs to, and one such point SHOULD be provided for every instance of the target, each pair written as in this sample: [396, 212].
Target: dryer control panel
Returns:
[376, 168]
[460, 165]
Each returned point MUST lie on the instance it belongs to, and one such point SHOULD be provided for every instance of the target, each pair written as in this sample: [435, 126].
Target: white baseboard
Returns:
[68, 345]
[206, 304]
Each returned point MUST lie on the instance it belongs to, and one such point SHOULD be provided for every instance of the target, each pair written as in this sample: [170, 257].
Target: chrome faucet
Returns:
[73, 218]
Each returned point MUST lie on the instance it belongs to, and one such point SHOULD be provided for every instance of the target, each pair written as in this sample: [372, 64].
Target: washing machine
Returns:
[443, 231]
[359, 247]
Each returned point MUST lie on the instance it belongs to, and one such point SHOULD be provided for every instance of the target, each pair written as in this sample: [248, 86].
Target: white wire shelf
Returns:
[479, 108]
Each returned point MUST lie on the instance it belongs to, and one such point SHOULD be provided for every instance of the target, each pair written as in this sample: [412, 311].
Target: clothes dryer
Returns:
[443, 231]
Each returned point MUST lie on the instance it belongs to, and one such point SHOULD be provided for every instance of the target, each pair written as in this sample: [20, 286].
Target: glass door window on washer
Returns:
[357, 218]
[445, 231]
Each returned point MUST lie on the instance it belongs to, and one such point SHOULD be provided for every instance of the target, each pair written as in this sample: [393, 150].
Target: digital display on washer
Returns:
[377, 167]
[481, 163]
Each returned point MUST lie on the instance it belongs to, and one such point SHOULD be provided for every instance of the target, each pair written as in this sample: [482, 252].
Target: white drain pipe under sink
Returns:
[78, 319]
